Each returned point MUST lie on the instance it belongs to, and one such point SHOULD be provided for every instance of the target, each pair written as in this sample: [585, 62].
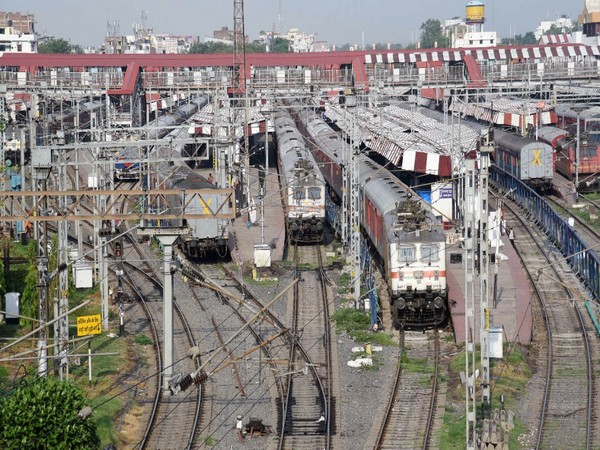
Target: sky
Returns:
[84, 22]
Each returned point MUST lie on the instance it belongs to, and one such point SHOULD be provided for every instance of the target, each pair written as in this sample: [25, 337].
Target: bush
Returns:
[42, 414]
[142, 339]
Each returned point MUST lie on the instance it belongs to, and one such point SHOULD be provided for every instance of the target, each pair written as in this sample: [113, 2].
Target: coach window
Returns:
[314, 193]
[299, 194]
[406, 254]
[429, 253]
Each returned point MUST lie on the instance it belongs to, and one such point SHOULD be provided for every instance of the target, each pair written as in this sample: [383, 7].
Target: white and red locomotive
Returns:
[407, 237]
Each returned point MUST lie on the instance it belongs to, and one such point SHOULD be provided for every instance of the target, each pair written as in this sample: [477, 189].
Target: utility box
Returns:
[83, 276]
[41, 158]
[12, 307]
[262, 255]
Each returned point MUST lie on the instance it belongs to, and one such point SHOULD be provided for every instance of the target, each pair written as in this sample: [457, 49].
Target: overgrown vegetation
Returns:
[42, 413]
[357, 325]
[142, 339]
[509, 377]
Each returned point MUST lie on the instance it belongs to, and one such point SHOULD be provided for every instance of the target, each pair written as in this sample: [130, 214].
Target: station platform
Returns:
[273, 227]
[512, 311]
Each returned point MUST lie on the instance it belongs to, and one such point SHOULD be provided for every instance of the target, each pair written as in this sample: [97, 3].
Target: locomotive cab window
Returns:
[430, 253]
[299, 194]
[407, 253]
[314, 193]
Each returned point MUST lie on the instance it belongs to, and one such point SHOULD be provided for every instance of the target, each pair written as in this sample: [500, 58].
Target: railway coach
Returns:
[530, 161]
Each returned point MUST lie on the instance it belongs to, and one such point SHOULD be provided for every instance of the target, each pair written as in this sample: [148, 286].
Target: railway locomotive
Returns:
[565, 156]
[404, 233]
[303, 186]
[207, 237]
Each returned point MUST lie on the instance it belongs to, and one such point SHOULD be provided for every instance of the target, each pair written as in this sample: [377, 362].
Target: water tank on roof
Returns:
[475, 12]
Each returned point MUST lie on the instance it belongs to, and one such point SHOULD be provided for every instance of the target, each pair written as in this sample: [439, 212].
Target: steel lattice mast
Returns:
[239, 47]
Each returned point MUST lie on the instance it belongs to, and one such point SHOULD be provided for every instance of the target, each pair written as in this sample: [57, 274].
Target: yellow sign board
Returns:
[87, 325]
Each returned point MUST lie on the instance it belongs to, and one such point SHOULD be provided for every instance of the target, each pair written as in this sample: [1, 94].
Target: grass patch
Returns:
[142, 339]
[210, 440]
[357, 324]
[416, 365]
[104, 415]
[508, 378]
[453, 431]
[344, 280]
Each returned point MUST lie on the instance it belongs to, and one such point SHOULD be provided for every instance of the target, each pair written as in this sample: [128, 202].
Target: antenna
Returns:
[280, 19]
[144, 18]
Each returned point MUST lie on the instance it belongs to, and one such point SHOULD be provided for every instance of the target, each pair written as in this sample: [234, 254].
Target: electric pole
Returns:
[469, 230]
[484, 326]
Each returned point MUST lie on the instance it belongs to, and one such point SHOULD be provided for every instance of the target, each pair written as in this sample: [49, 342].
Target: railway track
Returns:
[412, 411]
[309, 403]
[588, 233]
[172, 421]
[304, 403]
[250, 391]
[565, 418]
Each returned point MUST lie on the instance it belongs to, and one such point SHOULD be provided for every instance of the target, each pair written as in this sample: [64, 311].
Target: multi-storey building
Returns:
[17, 33]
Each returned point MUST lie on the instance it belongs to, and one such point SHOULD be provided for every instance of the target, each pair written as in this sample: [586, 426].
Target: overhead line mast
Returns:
[239, 91]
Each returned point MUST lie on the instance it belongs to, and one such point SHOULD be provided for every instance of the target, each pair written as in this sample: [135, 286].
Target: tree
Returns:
[55, 46]
[554, 30]
[211, 47]
[280, 45]
[526, 39]
[432, 34]
[43, 414]
[256, 47]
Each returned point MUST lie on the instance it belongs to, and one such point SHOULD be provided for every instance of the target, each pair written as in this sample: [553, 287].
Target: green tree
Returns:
[432, 34]
[554, 30]
[521, 39]
[29, 297]
[256, 47]
[280, 45]
[55, 46]
[2, 280]
[43, 414]
[211, 47]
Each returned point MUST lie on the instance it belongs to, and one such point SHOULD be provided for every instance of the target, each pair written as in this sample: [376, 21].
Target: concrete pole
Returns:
[63, 275]
[577, 155]
[103, 264]
[484, 310]
[167, 242]
[469, 231]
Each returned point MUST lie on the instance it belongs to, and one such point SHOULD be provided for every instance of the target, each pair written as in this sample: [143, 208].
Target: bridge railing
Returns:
[583, 260]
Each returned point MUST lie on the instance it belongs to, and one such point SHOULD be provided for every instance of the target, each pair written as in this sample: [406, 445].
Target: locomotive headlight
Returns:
[438, 302]
[419, 274]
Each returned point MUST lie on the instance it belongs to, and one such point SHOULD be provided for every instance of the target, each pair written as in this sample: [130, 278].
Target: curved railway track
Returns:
[172, 420]
[166, 413]
[565, 414]
[412, 410]
[589, 234]
[309, 403]
[306, 413]
[245, 394]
